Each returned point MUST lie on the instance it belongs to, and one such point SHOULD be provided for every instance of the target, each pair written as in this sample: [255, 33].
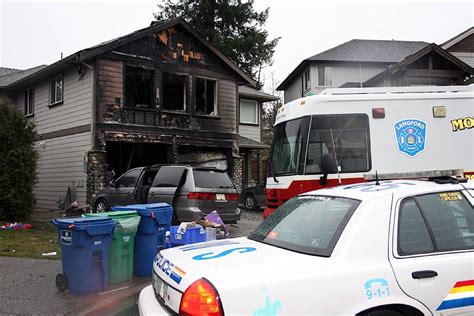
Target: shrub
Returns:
[17, 164]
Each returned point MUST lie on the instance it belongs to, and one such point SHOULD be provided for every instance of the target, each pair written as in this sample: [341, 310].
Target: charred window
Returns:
[138, 87]
[206, 96]
[174, 91]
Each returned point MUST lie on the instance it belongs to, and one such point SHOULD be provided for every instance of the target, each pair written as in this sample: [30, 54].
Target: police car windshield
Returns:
[308, 224]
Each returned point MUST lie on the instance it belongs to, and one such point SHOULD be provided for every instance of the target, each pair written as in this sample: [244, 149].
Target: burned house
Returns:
[160, 95]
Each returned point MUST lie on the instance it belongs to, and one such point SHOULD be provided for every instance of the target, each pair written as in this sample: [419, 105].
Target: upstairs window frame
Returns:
[307, 79]
[205, 111]
[255, 102]
[56, 90]
[29, 101]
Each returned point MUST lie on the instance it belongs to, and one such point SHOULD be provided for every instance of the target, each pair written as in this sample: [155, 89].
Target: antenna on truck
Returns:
[335, 157]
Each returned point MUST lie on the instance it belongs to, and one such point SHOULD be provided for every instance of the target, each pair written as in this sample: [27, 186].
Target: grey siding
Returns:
[61, 159]
[61, 164]
[468, 58]
[293, 91]
[250, 131]
[76, 109]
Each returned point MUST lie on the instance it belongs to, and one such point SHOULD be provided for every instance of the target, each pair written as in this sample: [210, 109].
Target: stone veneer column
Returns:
[96, 173]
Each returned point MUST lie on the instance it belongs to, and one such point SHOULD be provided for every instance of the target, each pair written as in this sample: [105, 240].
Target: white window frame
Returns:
[53, 97]
[256, 111]
[29, 101]
[214, 112]
[307, 79]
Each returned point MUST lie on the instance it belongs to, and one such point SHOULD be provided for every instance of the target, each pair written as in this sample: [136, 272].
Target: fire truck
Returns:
[344, 136]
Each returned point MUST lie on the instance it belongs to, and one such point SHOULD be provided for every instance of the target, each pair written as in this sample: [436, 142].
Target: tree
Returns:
[233, 27]
[17, 164]
[270, 110]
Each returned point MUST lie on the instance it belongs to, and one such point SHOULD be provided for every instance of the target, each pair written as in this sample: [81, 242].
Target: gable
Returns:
[466, 45]
[175, 45]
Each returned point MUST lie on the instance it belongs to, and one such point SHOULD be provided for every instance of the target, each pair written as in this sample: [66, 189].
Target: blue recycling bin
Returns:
[85, 253]
[155, 220]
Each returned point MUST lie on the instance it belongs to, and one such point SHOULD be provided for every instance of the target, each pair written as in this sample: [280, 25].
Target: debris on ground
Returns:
[15, 226]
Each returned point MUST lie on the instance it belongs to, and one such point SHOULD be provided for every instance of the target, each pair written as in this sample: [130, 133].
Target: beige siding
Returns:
[61, 164]
[76, 109]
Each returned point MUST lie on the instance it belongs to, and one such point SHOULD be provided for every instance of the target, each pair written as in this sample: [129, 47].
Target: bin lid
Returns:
[114, 214]
[144, 209]
[82, 222]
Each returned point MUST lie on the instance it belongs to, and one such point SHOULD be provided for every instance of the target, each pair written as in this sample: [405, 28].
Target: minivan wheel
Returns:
[249, 202]
[101, 206]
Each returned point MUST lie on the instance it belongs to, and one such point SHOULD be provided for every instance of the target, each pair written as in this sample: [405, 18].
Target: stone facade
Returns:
[96, 173]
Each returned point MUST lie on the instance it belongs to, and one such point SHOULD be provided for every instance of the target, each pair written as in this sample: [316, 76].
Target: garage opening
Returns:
[123, 156]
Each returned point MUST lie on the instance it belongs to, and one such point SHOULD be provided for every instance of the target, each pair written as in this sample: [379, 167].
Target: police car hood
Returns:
[232, 263]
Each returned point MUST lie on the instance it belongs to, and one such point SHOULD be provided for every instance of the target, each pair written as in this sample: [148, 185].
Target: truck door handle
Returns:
[424, 274]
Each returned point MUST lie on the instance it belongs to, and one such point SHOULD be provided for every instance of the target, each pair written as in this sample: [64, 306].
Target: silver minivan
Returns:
[192, 191]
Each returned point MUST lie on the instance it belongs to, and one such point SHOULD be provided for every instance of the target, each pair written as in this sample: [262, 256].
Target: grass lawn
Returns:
[30, 243]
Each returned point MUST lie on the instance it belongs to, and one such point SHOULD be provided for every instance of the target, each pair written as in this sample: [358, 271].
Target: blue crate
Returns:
[191, 236]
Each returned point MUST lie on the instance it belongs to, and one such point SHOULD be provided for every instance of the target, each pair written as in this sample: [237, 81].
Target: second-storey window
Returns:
[324, 76]
[206, 96]
[174, 91]
[29, 101]
[248, 112]
[307, 80]
[56, 90]
[138, 87]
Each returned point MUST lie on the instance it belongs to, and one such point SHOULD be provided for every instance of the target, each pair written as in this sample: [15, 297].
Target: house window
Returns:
[248, 112]
[29, 101]
[324, 76]
[206, 96]
[307, 80]
[174, 91]
[138, 87]
[56, 90]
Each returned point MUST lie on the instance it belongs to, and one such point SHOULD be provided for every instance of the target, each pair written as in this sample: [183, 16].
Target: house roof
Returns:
[156, 26]
[245, 142]
[254, 94]
[356, 50]
[10, 75]
[456, 39]
[410, 59]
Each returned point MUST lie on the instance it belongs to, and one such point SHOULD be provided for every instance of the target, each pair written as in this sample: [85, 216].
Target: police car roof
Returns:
[371, 190]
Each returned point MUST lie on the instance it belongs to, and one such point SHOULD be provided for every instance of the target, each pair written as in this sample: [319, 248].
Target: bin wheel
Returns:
[61, 282]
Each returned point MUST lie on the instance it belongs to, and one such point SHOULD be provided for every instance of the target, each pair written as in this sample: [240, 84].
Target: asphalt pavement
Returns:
[28, 287]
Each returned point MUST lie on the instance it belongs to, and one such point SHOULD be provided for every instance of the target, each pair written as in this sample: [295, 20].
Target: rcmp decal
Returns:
[168, 268]
[411, 136]
[461, 295]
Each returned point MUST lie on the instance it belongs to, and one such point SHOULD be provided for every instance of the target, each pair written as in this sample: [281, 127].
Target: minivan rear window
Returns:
[212, 179]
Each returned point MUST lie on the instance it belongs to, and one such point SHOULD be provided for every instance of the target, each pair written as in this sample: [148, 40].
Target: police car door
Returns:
[433, 250]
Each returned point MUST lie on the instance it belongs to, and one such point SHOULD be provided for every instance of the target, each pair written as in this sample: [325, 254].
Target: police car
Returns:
[399, 247]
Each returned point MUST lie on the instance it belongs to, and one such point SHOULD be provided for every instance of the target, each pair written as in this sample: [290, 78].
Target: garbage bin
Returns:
[85, 253]
[155, 221]
[122, 246]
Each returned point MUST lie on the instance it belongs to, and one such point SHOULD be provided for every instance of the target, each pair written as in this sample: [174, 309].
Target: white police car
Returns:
[388, 248]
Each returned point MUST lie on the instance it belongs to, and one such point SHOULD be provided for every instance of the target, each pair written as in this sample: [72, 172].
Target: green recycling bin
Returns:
[122, 246]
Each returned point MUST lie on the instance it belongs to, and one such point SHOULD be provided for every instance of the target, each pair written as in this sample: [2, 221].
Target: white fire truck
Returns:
[344, 136]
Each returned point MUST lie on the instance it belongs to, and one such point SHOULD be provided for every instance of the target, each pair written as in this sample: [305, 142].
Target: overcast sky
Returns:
[36, 32]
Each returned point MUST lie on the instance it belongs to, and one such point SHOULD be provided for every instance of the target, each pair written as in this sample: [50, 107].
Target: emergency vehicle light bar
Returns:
[398, 90]
[415, 174]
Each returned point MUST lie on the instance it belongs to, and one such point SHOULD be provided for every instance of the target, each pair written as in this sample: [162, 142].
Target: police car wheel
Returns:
[61, 282]
[383, 312]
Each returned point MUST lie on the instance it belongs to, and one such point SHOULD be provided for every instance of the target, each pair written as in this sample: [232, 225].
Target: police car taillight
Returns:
[201, 298]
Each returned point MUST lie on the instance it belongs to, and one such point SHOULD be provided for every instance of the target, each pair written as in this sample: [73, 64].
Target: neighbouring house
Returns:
[252, 150]
[375, 63]
[462, 46]
[162, 94]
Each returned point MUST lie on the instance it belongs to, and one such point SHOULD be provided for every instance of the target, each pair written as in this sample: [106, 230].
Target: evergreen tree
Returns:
[17, 165]
[232, 26]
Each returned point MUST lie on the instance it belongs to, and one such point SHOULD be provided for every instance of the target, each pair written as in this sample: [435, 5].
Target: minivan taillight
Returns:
[232, 196]
[200, 298]
[201, 196]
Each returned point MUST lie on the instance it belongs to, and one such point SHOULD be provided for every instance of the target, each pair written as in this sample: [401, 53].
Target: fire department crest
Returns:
[411, 136]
